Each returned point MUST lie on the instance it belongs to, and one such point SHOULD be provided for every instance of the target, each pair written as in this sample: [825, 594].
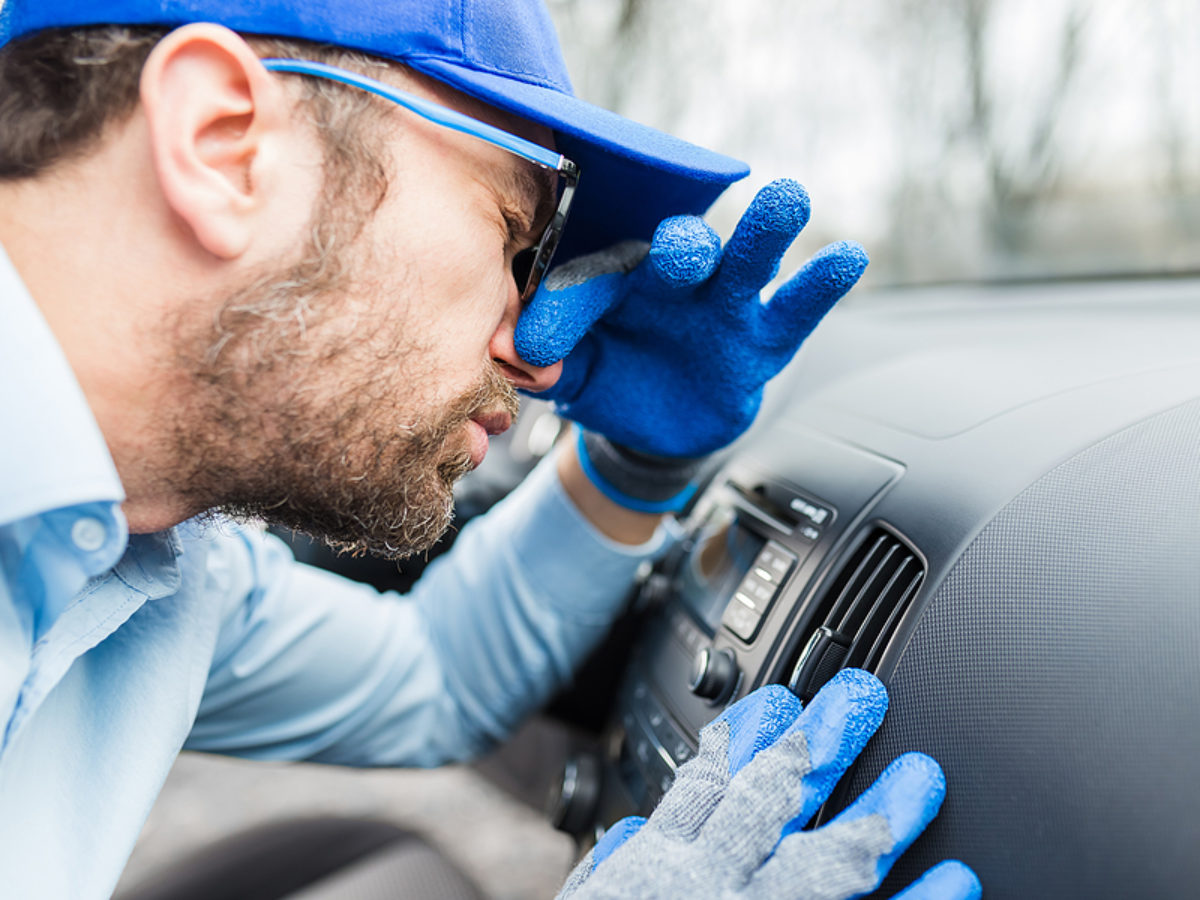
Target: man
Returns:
[242, 288]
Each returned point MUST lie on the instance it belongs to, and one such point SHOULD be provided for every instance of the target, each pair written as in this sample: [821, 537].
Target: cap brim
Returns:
[632, 176]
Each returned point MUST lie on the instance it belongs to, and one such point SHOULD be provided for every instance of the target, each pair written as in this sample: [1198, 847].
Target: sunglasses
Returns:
[530, 265]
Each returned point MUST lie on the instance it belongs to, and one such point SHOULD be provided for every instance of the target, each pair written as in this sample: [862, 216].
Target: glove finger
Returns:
[727, 744]
[684, 253]
[905, 798]
[857, 849]
[757, 721]
[950, 880]
[908, 795]
[751, 258]
[554, 321]
[826, 864]
[616, 836]
[787, 782]
[802, 302]
[699, 785]
[571, 299]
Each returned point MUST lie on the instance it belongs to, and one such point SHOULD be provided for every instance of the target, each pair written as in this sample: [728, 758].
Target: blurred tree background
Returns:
[957, 139]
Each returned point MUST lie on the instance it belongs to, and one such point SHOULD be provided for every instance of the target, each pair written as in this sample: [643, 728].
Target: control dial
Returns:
[714, 674]
[573, 805]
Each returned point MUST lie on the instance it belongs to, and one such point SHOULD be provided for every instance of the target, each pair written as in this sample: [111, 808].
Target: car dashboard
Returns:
[990, 497]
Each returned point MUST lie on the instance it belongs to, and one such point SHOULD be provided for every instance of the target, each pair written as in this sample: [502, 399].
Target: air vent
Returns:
[859, 611]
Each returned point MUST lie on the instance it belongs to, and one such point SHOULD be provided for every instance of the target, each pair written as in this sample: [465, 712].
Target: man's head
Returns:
[340, 337]
[313, 288]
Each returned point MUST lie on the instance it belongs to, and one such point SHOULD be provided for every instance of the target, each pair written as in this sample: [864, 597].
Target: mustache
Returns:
[493, 392]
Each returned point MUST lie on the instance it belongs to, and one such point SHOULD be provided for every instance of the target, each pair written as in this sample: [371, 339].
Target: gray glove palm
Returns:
[730, 826]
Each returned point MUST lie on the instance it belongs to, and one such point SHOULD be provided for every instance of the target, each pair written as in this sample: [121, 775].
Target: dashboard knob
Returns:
[714, 674]
[574, 804]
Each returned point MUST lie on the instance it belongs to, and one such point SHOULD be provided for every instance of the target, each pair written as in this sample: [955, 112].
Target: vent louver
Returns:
[859, 611]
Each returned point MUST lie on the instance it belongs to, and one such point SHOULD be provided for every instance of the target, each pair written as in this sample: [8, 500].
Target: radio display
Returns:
[722, 554]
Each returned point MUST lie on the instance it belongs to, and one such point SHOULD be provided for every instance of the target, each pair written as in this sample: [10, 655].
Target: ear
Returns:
[218, 125]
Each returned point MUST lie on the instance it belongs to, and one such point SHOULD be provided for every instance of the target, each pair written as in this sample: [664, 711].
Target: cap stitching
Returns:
[463, 12]
[462, 28]
[532, 76]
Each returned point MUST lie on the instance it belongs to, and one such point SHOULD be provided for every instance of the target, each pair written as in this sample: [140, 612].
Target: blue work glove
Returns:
[730, 826]
[667, 346]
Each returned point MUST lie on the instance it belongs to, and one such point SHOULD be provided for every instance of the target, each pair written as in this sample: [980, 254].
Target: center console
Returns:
[750, 595]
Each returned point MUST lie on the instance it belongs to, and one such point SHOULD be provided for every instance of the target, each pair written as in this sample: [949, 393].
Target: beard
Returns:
[302, 428]
[345, 475]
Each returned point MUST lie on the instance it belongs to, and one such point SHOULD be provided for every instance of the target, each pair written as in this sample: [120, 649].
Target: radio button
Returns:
[775, 561]
[643, 750]
[755, 593]
[686, 632]
[741, 618]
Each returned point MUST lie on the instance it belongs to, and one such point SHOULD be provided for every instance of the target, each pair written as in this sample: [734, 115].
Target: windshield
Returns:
[972, 140]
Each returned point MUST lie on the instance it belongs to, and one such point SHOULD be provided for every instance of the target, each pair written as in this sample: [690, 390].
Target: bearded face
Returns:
[324, 422]
[341, 391]
[347, 470]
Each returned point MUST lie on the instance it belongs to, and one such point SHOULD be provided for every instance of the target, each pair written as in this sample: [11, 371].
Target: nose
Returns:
[522, 374]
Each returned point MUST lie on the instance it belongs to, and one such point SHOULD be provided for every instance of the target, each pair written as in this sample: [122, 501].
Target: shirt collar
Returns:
[55, 455]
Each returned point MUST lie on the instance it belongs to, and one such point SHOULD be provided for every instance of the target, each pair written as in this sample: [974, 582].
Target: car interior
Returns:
[980, 477]
[990, 504]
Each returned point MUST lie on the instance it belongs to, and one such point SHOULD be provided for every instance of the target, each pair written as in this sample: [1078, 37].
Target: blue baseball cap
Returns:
[504, 52]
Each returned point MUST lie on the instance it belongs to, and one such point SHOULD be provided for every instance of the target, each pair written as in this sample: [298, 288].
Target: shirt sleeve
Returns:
[309, 665]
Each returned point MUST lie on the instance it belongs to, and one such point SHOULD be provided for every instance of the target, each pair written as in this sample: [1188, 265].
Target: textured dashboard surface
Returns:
[1055, 674]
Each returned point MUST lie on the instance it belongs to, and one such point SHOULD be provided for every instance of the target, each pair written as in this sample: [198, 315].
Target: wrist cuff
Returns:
[637, 481]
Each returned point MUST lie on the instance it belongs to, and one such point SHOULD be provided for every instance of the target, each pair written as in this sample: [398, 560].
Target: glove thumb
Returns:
[613, 838]
[571, 299]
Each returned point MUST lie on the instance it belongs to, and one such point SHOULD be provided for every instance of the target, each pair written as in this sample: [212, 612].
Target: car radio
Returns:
[728, 610]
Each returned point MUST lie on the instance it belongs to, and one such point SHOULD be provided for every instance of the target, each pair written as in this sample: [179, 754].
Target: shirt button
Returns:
[89, 534]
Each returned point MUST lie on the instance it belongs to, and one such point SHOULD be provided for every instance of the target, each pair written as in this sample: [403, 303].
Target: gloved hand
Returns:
[729, 827]
[667, 346]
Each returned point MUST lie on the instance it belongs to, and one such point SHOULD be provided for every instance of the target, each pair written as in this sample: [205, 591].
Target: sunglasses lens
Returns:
[530, 265]
[522, 267]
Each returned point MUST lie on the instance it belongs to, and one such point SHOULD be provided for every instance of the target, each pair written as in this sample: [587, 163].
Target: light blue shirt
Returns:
[117, 650]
